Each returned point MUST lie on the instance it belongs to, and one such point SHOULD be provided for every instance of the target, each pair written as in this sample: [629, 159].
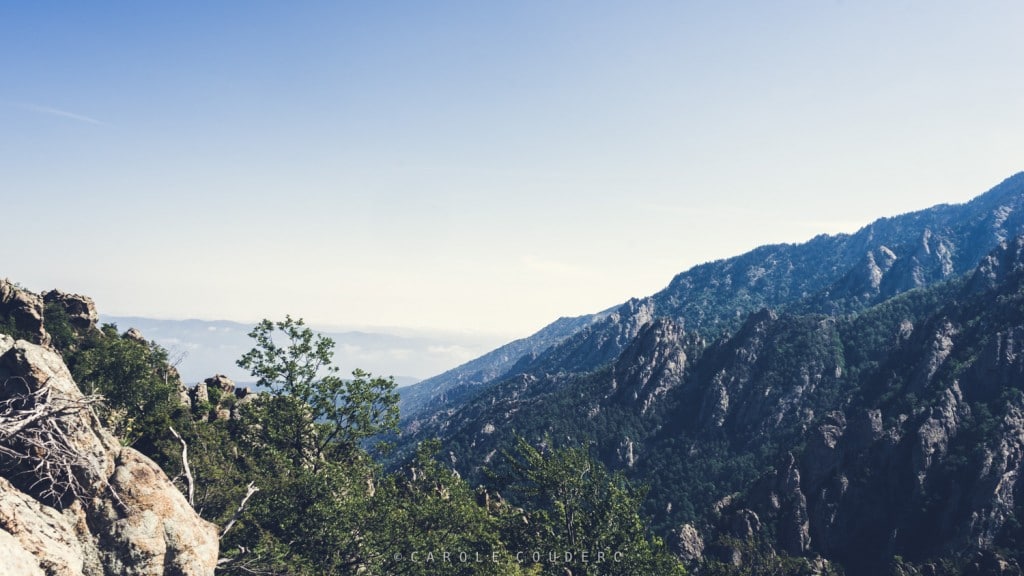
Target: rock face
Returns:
[689, 545]
[217, 398]
[56, 542]
[123, 516]
[652, 365]
[80, 310]
[828, 274]
[17, 560]
[23, 311]
[152, 530]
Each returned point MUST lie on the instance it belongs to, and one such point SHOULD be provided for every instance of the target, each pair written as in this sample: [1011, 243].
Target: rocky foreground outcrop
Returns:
[73, 501]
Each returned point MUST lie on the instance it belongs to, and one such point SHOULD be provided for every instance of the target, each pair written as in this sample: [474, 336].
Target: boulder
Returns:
[52, 539]
[136, 335]
[151, 529]
[124, 516]
[200, 393]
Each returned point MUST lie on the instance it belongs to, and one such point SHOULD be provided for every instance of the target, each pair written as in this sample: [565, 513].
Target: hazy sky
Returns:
[475, 166]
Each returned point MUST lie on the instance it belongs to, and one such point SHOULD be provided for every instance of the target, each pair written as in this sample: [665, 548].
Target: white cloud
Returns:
[61, 113]
[177, 343]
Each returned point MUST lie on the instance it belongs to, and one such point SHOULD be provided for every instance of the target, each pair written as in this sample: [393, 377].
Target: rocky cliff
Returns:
[72, 499]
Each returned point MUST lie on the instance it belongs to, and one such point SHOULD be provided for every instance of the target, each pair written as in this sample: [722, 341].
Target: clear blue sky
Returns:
[476, 166]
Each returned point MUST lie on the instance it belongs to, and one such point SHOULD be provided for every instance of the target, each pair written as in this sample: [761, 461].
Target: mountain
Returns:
[829, 274]
[856, 398]
[203, 348]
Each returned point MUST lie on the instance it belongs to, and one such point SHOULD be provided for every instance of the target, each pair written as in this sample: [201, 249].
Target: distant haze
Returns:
[203, 348]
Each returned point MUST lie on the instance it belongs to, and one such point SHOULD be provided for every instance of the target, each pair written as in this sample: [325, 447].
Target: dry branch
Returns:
[186, 470]
[34, 428]
[250, 490]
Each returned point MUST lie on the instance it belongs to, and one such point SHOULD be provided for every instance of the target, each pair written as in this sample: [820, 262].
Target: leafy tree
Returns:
[318, 414]
[581, 516]
[309, 518]
[302, 440]
[139, 386]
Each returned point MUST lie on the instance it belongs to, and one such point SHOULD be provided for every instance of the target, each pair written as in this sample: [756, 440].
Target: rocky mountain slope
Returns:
[854, 399]
[828, 274]
[73, 500]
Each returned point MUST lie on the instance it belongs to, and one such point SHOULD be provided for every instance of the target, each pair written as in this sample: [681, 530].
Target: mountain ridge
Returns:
[715, 295]
[811, 414]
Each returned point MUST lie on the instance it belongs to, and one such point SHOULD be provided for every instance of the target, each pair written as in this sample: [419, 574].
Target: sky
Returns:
[474, 167]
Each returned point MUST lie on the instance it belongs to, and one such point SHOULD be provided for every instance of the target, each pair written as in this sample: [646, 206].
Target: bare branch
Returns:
[186, 469]
[34, 428]
[250, 490]
[245, 562]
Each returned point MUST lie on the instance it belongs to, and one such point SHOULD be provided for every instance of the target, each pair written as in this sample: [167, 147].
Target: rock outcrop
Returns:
[689, 545]
[110, 511]
[216, 398]
[652, 365]
[79, 310]
[23, 312]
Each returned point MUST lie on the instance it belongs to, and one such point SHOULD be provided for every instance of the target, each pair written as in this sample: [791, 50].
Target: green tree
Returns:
[302, 441]
[580, 516]
[318, 415]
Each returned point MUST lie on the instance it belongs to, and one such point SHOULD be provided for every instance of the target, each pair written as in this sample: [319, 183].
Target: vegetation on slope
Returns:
[295, 489]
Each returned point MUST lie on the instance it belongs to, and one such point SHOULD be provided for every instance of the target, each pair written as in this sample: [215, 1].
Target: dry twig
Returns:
[34, 439]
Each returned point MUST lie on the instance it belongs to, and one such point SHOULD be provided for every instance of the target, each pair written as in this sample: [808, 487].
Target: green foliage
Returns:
[426, 520]
[138, 386]
[314, 514]
[581, 517]
[327, 415]
[9, 326]
[325, 507]
[62, 335]
[215, 394]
